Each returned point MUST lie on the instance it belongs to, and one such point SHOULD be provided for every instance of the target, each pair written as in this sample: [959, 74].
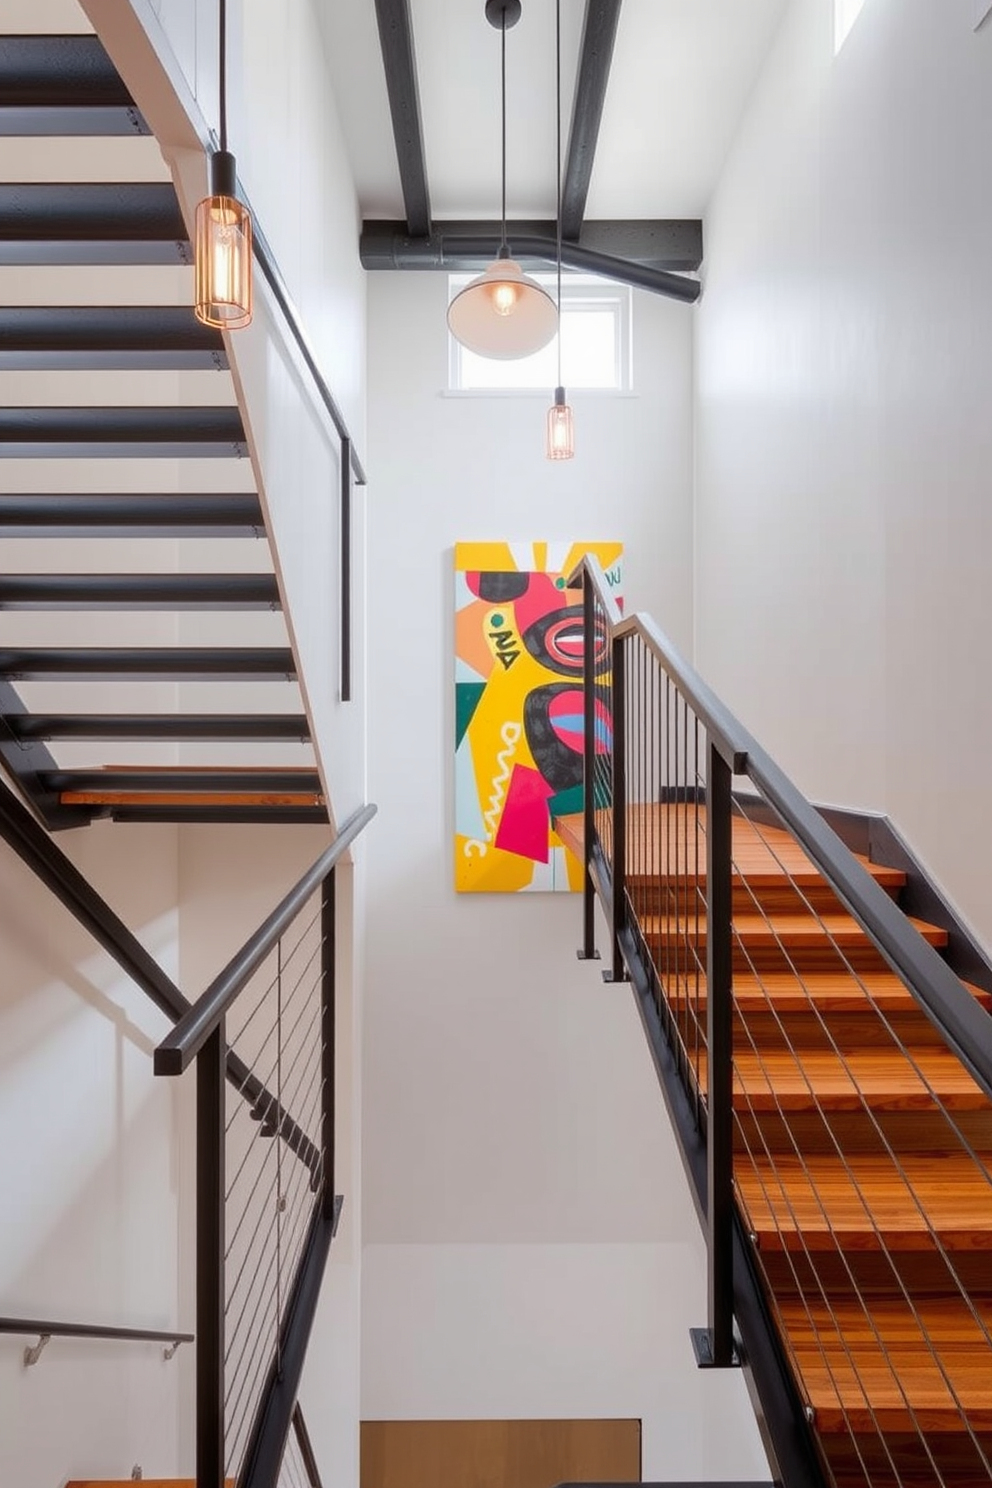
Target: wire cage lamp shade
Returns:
[560, 443]
[503, 314]
[223, 251]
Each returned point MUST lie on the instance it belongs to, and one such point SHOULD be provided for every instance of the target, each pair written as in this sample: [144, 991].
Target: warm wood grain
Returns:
[190, 798]
[668, 843]
[882, 1080]
[895, 1368]
[869, 1202]
[498, 1454]
[854, 1133]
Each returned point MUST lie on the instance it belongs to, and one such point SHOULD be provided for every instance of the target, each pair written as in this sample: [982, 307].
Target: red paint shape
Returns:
[542, 596]
[523, 827]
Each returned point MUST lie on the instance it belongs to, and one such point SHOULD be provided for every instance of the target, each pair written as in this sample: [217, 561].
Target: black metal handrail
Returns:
[930, 980]
[178, 1050]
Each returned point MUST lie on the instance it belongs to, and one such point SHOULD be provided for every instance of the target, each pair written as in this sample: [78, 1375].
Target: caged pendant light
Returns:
[223, 229]
[502, 313]
[560, 443]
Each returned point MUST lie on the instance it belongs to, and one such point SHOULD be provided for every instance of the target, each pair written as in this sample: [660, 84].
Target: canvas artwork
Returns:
[518, 711]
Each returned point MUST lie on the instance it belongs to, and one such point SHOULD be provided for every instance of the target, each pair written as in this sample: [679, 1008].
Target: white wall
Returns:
[530, 1244]
[88, 1171]
[843, 525]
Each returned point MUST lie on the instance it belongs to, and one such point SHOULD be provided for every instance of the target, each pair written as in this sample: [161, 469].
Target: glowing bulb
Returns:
[504, 297]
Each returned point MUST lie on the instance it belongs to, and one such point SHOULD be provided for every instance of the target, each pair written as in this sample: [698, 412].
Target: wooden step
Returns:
[778, 943]
[829, 992]
[854, 1132]
[816, 1008]
[878, 1080]
[891, 1365]
[683, 892]
[822, 1202]
[667, 843]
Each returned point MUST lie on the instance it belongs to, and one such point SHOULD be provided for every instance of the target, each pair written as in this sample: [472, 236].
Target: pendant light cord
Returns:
[558, 154]
[222, 55]
[504, 251]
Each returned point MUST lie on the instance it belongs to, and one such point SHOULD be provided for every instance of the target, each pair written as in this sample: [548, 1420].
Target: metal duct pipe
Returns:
[391, 250]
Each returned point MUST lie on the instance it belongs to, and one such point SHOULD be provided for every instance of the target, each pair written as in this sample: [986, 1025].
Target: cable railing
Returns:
[298, 1468]
[828, 1074]
[266, 1202]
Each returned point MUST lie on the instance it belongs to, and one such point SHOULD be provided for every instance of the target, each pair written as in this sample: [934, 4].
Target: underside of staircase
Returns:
[146, 671]
[863, 1149]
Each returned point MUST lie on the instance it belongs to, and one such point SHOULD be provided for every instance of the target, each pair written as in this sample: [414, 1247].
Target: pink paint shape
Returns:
[523, 827]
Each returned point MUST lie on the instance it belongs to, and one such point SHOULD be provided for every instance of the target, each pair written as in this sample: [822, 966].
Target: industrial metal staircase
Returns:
[828, 1073]
[125, 487]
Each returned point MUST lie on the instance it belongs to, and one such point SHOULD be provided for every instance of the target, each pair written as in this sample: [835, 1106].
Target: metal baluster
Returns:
[211, 1071]
[715, 1344]
[618, 973]
[328, 1021]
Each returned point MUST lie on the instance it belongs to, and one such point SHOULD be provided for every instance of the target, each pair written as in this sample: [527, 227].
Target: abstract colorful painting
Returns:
[518, 711]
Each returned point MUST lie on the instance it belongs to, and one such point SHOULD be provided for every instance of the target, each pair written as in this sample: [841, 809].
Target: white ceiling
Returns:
[682, 72]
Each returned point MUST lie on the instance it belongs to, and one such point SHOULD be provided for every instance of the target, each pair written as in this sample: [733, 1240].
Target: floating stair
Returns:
[863, 1161]
[165, 688]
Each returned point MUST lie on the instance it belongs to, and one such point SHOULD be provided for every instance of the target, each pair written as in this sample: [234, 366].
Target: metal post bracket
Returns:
[32, 1355]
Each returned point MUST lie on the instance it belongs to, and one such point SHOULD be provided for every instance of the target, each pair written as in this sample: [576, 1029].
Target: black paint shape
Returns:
[560, 766]
[535, 638]
[503, 588]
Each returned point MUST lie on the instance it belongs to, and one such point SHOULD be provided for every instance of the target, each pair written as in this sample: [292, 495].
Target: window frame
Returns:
[580, 293]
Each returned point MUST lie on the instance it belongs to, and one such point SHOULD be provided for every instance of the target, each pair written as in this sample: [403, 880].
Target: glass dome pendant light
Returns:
[560, 443]
[223, 229]
[502, 313]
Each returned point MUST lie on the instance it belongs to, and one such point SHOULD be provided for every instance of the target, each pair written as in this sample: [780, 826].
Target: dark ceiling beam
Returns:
[599, 31]
[674, 244]
[400, 64]
[442, 251]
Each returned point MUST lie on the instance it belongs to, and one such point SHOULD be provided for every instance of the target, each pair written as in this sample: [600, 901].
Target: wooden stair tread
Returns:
[868, 1201]
[191, 798]
[662, 833]
[892, 1366]
[786, 930]
[827, 991]
[879, 1079]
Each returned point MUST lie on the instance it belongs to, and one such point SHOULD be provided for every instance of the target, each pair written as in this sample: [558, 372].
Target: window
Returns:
[595, 344]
